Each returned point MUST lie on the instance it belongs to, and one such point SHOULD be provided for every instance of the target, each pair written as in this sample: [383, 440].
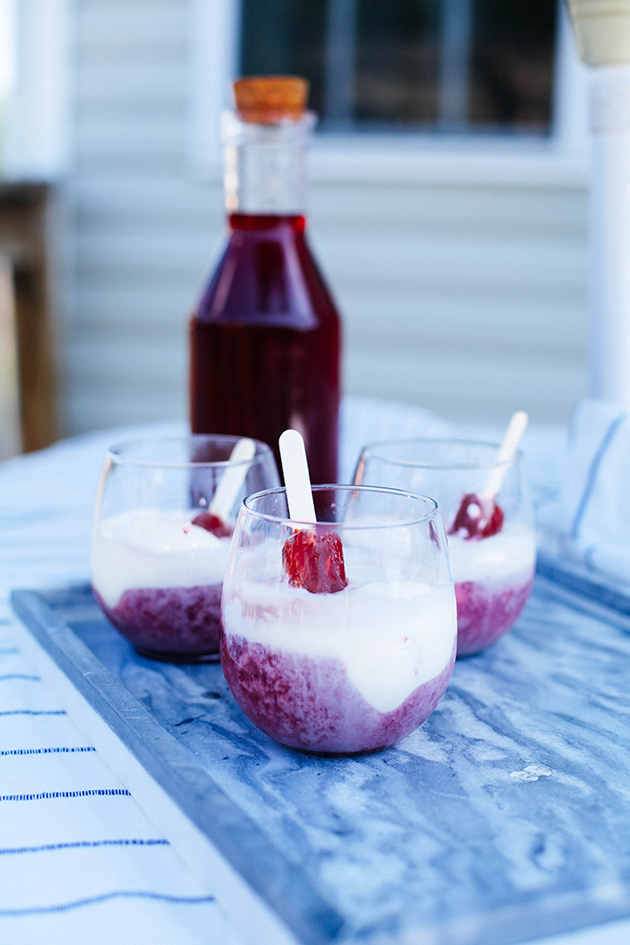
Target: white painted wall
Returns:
[461, 272]
[37, 137]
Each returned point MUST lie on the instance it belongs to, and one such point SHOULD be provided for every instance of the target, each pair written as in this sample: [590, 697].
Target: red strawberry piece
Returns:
[479, 518]
[212, 523]
[313, 559]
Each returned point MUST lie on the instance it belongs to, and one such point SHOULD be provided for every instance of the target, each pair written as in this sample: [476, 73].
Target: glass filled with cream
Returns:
[165, 514]
[339, 637]
[490, 533]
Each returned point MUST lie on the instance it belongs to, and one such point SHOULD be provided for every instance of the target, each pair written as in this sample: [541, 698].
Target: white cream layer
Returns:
[391, 636]
[147, 548]
[496, 559]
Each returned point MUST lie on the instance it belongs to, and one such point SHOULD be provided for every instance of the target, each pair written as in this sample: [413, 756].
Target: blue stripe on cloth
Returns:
[592, 474]
[20, 676]
[8, 650]
[34, 712]
[52, 795]
[93, 900]
[160, 841]
[44, 751]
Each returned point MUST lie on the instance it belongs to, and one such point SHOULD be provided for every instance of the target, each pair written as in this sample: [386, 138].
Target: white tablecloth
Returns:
[79, 860]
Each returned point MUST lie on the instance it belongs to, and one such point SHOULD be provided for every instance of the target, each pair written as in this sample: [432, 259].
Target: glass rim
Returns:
[263, 452]
[429, 516]
[367, 452]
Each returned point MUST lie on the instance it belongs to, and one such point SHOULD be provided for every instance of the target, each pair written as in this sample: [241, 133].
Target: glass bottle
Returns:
[265, 336]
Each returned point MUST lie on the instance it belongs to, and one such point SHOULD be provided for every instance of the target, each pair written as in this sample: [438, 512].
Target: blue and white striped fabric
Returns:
[79, 861]
[592, 515]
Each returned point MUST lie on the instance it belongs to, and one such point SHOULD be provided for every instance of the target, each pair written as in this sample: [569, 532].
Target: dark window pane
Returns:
[513, 63]
[397, 61]
[441, 64]
[285, 37]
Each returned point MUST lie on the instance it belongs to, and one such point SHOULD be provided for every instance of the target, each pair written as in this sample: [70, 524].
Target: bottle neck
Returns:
[265, 166]
[256, 222]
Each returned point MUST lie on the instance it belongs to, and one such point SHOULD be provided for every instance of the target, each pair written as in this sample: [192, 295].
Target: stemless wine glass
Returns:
[158, 553]
[493, 575]
[352, 669]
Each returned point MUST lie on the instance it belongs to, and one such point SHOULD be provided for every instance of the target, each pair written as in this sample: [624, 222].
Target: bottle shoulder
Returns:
[267, 275]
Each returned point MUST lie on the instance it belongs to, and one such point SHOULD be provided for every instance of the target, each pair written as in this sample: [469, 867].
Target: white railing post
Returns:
[602, 31]
[609, 249]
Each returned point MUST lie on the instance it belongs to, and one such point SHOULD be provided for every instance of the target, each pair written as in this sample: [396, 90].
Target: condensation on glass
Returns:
[450, 65]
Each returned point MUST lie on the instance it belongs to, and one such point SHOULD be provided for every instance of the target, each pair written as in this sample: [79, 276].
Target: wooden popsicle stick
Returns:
[232, 479]
[296, 477]
[515, 430]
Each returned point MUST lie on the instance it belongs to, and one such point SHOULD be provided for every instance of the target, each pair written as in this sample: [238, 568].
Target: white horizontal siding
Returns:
[461, 292]
[133, 310]
[125, 197]
[532, 327]
[124, 28]
[138, 86]
[112, 139]
[467, 388]
[454, 260]
[115, 362]
[522, 163]
[448, 207]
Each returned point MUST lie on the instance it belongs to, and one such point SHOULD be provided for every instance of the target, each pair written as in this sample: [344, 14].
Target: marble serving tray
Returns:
[505, 817]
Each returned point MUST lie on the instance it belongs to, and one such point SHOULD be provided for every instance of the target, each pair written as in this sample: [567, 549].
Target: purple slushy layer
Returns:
[311, 704]
[486, 610]
[176, 621]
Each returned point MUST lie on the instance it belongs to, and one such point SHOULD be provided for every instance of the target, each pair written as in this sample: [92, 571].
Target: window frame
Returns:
[561, 157]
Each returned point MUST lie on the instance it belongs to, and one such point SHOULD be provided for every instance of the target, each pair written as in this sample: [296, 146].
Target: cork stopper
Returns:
[263, 100]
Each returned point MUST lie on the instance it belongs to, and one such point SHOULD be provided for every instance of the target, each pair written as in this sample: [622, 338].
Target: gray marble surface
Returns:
[505, 816]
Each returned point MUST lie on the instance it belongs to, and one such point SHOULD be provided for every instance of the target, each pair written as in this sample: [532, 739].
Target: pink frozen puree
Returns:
[159, 579]
[347, 672]
[493, 579]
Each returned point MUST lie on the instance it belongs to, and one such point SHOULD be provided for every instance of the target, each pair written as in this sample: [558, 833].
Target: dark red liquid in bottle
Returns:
[265, 343]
